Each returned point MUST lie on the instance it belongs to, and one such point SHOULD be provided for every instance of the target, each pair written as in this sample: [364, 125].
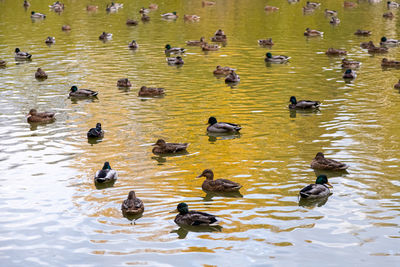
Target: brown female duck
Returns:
[322, 163]
[161, 147]
[35, 116]
[132, 205]
[219, 185]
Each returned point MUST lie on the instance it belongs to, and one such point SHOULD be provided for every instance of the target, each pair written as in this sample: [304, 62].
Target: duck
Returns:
[207, 3]
[105, 36]
[132, 205]
[66, 28]
[153, 6]
[362, 32]
[372, 49]
[322, 163]
[397, 85]
[390, 63]
[96, 132]
[310, 33]
[330, 12]
[26, 3]
[133, 45]
[266, 42]
[335, 52]
[144, 10]
[36, 15]
[271, 8]
[349, 74]
[232, 77]
[196, 43]
[391, 4]
[50, 40]
[350, 64]
[389, 42]
[303, 104]
[210, 47]
[171, 15]
[349, 4]
[218, 185]
[313, 4]
[276, 59]
[175, 61]
[193, 218]
[40, 74]
[106, 174]
[145, 18]
[173, 50]
[3, 63]
[91, 8]
[222, 127]
[124, 82]
[19, 55]
[150, 91]
[219, 38]
[114, 7]
[132, 22]
[191, 17]
[34, 116]
[334, 20]
[81, 93]
[161, 147]
[222, 70]
[318, 190]
[388, 15]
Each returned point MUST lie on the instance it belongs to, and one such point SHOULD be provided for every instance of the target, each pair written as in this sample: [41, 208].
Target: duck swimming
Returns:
[317, 190]
[161, 147]
[40, 74]
[193, 218]
[222, 127]
[276, 59]
[175, 61]
[19, 55]
[124, 82]
[349, 74]
[50, 40]
[81, 93]
[34, 116]
[151, 91]
[218, 185]
[132, 205]
[106, 174]
[303, 104]
[322, 163]
[96, 132]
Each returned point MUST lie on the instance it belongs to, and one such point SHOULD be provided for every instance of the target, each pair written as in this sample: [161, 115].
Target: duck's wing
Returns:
[201, 218]
[314, 191]
[225, 184]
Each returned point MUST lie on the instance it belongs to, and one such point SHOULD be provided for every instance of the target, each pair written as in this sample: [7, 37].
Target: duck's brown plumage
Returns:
[132, 205]
[322, 163]
[219, 185]
[161, 147]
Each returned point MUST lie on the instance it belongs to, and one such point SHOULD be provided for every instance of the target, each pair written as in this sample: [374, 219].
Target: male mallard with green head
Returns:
[322, 163]
[218, 185]
[106, 174]
[318, 190]
[193, 218]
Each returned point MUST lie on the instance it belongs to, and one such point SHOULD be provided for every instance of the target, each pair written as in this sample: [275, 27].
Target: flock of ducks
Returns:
[133, 206]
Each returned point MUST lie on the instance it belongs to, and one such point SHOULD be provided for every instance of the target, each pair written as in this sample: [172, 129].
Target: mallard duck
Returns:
[153, 6]
[40, 74]
[350, 64]
[389, 42]
[105, 36]
[144, 10]
[232, 77]
[161, 147]
[150, 91]
[310, 33]
[171, 15]
[193, 218]
[19, 55]
[191, 17]
[322, 163]
[222, 127]
[114, 7]
[132, 205]
[312, 4]
[330, 12]
[390, 63]
[173, 50]
[303, 104]
[334, 20]
[266, 42]
[124, 82]
[91, 8]
[349, 4]
[57, 6]
[219, 185]
[106, 174]
[276, 59]
[3, 63]
[175, 61]
[362, 32]
[222, 70]
[317, 190]
[391, 4]
[219, 38]
[207, 3]
[26, 3]
[196, 43]
[397, 85]
[271, 8]
[335, 52]
[349, 74]
[34, 116]
[210, 47]
[372, 49]
[145, 18]
[36, 15]
[96, 132]
[66, 28]
[388, 15]
[132, 22]
[50, 40]
[133, 45]
[82, 93]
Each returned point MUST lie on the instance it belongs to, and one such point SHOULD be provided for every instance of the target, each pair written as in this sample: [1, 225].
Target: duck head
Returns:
[293, 100]
[269, 55]
[183, 208]
[74, 88]
[322, 179]
[212, 120]
[160, 143]
[207, 173]
[131, 195]
[106, 166]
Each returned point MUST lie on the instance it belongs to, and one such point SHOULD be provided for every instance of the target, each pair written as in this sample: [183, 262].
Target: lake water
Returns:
[52, 214]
